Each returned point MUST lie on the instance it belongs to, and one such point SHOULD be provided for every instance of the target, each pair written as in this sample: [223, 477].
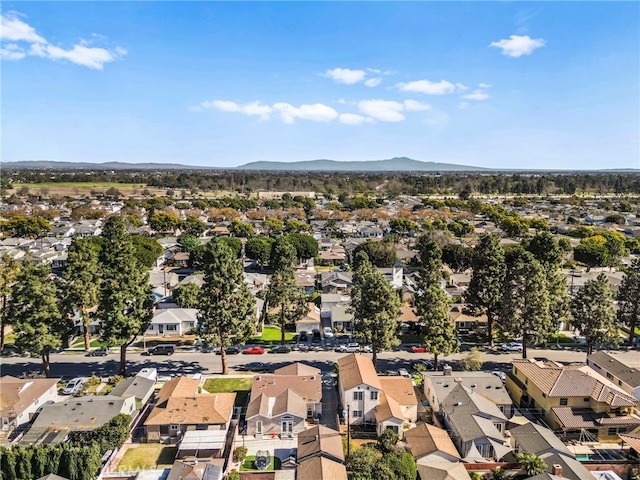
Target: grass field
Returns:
[272, 334]
[239, 386]
[147, 455]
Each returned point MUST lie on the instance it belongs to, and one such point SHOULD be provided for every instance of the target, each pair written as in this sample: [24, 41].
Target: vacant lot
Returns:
[147, 455]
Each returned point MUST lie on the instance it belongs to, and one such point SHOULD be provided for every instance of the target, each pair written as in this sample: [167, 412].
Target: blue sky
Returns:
[494, 84]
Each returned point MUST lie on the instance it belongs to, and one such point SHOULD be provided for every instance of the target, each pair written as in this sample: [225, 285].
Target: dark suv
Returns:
[281, 349]
[317, 337]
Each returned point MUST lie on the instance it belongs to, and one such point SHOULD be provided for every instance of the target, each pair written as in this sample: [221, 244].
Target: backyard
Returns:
[147, 455]
[240, 386]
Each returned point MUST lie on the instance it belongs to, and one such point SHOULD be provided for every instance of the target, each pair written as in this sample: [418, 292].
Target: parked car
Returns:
[415, 349]
[422, 365]
[349, 348]
[328, 333]
[166, 349]
[281, 349]
[366, 349]
[253, 351]
[255, 367]
[317, 337]
[512, 347]
[232, 350]
[304, 336]
[99, 352]
[403, 372]
[73, 386]
[501, 375]
[209, 349]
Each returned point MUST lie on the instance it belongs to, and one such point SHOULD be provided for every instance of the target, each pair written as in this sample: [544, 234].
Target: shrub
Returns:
[472, 361]
[239, 454]
[94, 381]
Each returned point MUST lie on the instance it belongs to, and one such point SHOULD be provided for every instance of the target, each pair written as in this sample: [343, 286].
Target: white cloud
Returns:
[415, 106]
[518, 45]
[11, 51]
[374, 70]
[252, 108]
[463, 105]
[14, 29]
[476, 95]
[460, 87]
[316, 112]
[346, 75]
[383, 110]
[342, 101]
[373, 82]
[353, 119]
[484, 85]
[92, 57]
[430, 88]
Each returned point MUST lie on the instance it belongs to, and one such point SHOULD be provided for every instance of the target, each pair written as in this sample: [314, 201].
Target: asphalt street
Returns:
[69, 365]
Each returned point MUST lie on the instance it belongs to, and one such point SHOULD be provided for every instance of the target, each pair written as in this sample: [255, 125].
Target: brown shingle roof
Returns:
[178, 387]
[426, 439]
[577, 418]
[357, 370]
[400, 389]
[318, 440]
[317, 468]
[17, 394]
[297, 368]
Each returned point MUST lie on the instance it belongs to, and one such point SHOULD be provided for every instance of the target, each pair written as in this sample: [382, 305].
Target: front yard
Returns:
[240, 386]
[272, 335]
[147, 455]
[247, 465]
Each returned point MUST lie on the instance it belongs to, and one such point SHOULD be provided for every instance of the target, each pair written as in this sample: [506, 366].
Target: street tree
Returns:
[126, 302]
[375, 306]
[187, 296]
[629, 300]
[227, 312]
[484, 295]
[81, 287]
[593, 313]
[37, 322]
[287, 298]
[9, 270]
[525, 305]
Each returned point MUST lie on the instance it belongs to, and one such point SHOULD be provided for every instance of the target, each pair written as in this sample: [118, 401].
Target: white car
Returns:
[403, 373]
[73, 386]
[512, 347]
[328, 333]
[349, 348]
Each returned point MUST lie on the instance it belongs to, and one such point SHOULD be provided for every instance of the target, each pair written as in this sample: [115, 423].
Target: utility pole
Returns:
[348, 431]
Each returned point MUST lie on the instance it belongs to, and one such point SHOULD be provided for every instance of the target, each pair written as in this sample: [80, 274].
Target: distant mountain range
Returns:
[400, 164]
[397, 164]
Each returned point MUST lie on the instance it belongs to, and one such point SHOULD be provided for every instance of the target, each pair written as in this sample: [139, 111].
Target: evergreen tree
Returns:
[39, 460]
[187, 296]
[432, 304]
[375, 306]
[283, 255]
[9, 270]
[629, 300]
[525, 305]
[37, 322]
[593, 313]
[484, 295]
[227, 310]
[81, 289]
[290, 299]
[126, 302]
[259, 249]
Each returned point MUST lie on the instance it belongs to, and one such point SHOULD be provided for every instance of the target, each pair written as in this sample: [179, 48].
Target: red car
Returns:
[254, 351]
[415, 349]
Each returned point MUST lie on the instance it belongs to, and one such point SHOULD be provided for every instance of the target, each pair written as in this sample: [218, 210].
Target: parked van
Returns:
[166, 349]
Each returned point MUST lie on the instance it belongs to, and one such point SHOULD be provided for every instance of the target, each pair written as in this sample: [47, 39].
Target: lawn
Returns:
[247, 465]
[240, 386]
[273, 334]
[147, 455]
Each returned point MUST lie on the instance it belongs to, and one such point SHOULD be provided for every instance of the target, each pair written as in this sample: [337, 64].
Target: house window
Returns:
[374, 395]
[171, 328]
[564, 402]
[498, 426]
[612, 431]
[357, 413]
[358, 395]
[609, 376]
[585, 399]
[173, 427]
[620, 382]
[258, 428]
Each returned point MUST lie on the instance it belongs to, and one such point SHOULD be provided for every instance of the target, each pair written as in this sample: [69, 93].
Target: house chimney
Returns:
[556, 470]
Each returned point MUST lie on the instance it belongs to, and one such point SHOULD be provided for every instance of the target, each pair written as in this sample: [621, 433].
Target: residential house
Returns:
[21, 398]
[438, 385]
[387, 402]
[476, 425]
[542, 442]
[430, 444]
[173, 321]
[574, 399]
[336, 282]
[341, 318]
[320, 441]
[398, 407]
[466, 323]
[256, 281]
[181, 259]
[328, 300]
[321, 468]
[310, 321]
[393, 275]
[55, 421]
[283, 403]
[179, 408]
[306, 279]
[625, 377]
[187, 469]
[141, 386]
